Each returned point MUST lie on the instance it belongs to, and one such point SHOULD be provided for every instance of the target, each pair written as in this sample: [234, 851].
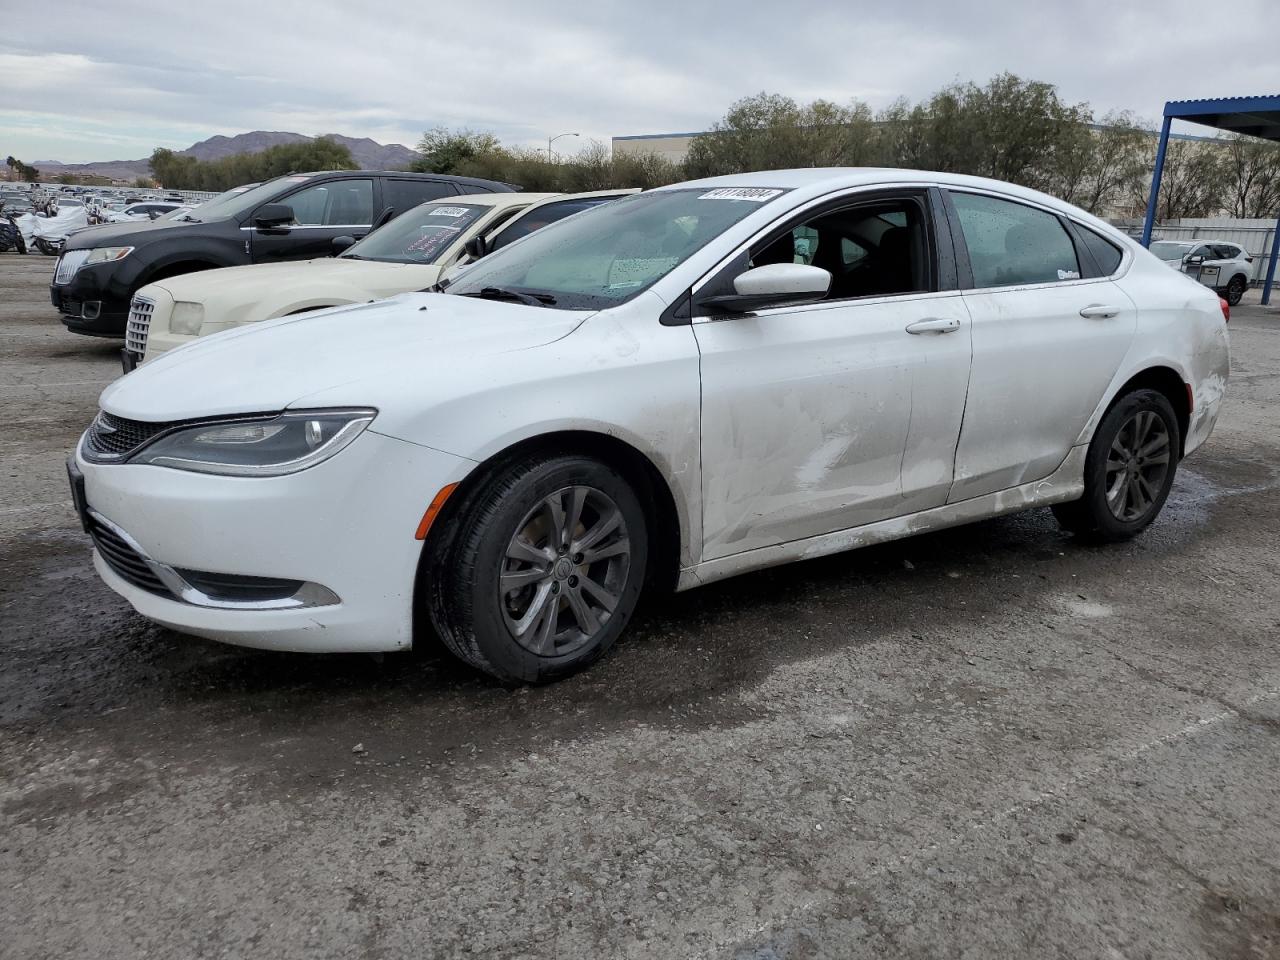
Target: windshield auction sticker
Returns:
[450, 212]
[754, 194]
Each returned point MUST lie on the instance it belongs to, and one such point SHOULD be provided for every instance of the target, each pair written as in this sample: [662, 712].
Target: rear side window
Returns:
[1225, 251]
[1010, 243]
[541, 216]
[1105, 253]
[402, 195]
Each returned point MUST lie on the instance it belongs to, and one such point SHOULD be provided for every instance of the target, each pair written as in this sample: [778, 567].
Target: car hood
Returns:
[374, 354]
[129, 233]
[253, 282]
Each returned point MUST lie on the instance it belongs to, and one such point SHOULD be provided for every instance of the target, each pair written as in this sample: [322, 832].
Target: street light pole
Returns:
[551, 140]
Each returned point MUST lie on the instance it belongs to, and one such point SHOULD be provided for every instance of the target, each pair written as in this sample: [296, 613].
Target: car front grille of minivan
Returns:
[111, 438]
[139, 325]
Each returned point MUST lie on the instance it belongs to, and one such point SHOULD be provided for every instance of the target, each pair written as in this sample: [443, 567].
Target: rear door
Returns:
[1050, 330]
[322, 212]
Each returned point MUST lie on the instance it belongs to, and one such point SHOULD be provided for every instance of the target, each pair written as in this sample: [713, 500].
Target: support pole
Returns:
[1271, 266]
[1155, 183]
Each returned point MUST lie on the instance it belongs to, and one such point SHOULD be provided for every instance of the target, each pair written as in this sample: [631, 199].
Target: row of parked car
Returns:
[656, 390]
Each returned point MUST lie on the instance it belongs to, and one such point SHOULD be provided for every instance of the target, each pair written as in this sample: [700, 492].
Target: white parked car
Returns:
[1218, 264]
[148, 210]
[682, 385]
[409, 253]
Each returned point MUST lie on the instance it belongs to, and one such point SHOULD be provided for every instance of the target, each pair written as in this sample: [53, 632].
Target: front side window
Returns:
[420, 236]
[612, 252]
[1010, 243]
[872, 249]
[336, 203]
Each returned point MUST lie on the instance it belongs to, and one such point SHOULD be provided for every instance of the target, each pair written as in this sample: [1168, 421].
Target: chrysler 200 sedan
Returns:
[682, 385]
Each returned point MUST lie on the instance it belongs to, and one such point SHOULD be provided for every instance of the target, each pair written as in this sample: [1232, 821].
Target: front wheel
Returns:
[1128, 471]
[543, 570]
[1235, 290]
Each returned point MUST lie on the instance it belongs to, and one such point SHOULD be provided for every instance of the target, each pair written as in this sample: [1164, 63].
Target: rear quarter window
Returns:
[1105, 253]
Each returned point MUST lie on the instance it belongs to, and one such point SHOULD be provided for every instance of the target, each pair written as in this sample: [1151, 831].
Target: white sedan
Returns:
[680, 386]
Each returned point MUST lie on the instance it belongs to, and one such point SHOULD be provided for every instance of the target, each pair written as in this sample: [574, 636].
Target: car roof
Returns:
[405, 175]
[586, 195]
[811, 182]
[497, 200]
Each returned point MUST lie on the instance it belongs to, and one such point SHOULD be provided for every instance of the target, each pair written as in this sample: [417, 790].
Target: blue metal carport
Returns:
[1254, 116]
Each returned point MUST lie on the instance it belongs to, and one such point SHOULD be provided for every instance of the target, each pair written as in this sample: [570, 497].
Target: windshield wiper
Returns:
[505, 293]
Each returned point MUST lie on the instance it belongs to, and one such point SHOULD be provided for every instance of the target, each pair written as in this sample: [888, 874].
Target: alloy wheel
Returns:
[1137, 465]
[564, 570]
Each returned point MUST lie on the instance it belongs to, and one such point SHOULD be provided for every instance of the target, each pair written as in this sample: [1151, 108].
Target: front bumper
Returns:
[346, 525]
[90, 303]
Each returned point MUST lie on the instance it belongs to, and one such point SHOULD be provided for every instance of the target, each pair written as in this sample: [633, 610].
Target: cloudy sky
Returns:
[87, 81]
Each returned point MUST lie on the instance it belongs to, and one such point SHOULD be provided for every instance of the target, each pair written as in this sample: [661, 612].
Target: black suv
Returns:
[294, 217]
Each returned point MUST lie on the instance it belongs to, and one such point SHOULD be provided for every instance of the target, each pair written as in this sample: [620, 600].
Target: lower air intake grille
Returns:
[123, 559]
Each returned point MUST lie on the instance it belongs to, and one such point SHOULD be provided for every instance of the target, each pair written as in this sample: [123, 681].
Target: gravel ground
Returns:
[987, 742]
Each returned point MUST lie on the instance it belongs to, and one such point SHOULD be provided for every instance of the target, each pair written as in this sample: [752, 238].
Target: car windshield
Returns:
[609, 254]
[1166, 250]
[419, 236]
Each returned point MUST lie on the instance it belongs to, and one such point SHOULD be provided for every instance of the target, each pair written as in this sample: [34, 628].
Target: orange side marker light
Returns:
[433, 510]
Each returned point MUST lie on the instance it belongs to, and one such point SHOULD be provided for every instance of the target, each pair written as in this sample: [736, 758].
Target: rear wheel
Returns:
[1236, 289]
[544, 569]
[1128, 471]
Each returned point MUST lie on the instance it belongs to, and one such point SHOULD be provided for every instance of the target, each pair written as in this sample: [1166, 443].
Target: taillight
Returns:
[1226, 310]
[1248, 259]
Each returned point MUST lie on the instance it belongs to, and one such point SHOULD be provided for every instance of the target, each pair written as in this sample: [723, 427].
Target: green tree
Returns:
[444, 151]
[1252, 172]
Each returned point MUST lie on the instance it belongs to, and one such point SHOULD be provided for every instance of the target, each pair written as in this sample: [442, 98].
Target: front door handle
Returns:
[934, 325]
[1096, 311]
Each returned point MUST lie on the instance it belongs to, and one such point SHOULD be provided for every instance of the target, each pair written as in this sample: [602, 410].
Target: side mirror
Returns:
[1193, 260]
[341, 243]
[475, 248]
[273, 216]
[773, 285]
[153, 214]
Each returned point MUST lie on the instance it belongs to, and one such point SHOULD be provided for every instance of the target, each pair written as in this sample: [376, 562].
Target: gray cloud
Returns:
[99, 83]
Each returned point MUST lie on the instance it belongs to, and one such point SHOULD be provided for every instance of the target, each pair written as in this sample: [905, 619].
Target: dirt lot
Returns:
[990, 742]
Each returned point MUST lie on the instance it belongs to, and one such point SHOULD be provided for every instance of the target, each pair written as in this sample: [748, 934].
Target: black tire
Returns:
[1106, 513]
[1236, 289]
[479, 623]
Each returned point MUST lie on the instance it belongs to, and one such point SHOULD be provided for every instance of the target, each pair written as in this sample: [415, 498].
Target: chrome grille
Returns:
[68, 264]
[139, 325]
[111, 438]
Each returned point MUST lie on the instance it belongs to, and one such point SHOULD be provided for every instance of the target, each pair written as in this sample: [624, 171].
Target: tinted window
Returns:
[870, 250]
[335, 203]
[402, 195]
[1105, 253]
[1225, 251]
[1010, 243]
[539, 217]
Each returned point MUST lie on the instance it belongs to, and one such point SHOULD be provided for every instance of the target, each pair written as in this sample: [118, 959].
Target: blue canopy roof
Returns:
[1254, 116]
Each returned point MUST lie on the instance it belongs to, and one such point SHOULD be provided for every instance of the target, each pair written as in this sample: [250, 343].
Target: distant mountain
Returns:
[367, 154]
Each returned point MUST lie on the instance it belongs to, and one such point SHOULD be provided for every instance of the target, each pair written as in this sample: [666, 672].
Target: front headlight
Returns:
[107, 254]
[187, 318]
[258, 447]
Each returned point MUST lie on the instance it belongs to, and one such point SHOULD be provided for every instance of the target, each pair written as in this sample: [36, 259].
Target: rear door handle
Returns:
[934, 325]
[1096, 311]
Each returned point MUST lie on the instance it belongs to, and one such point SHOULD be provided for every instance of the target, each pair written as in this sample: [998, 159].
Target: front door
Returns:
[1047, 341]
[322, 212]
[835, 414]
